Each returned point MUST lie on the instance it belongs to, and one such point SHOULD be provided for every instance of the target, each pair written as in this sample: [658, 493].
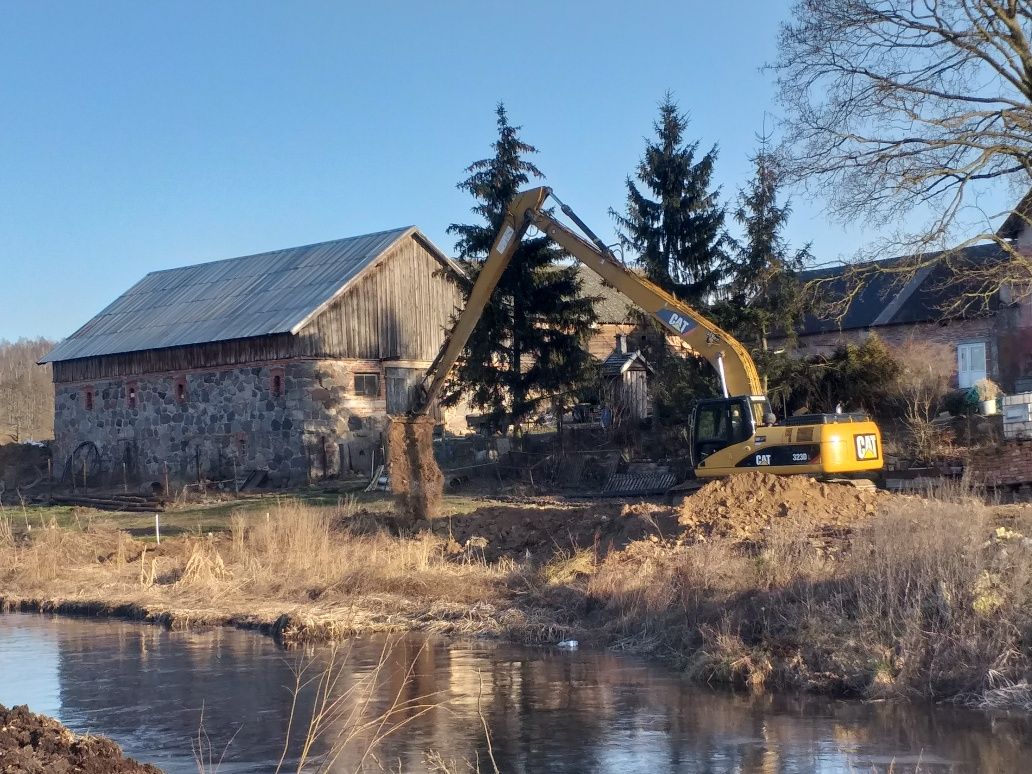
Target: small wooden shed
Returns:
[625, 383]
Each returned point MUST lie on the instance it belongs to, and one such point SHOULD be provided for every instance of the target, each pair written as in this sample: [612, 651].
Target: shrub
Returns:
[857, 376]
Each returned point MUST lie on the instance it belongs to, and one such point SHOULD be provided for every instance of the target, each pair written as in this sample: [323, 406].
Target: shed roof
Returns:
[884, 300]
[237, 298]
[620, 362]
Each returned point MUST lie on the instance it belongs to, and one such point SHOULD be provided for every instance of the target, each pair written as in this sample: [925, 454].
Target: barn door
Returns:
[401, 383]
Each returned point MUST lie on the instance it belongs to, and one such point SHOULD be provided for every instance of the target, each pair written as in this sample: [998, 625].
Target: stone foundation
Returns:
[307, 423]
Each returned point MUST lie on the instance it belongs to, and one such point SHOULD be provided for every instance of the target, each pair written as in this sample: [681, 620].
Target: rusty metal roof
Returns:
[254, 295]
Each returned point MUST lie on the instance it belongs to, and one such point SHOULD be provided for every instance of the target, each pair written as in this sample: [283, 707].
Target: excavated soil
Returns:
[34, 744]
[416, 481]
[745, 505]
[743, 508]
[544, 529]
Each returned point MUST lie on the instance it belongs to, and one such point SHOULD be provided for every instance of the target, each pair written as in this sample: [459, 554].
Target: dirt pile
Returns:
[416, 481]
[33, 744]
[546, 528]
[743, 506]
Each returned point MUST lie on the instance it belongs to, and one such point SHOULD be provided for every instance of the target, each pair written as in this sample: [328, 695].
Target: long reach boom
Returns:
[738, 374]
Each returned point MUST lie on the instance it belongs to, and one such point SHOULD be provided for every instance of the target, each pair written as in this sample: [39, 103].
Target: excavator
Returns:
[734, 433]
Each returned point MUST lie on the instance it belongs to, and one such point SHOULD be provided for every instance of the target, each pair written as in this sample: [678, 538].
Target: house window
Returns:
[971, 364]
[89, 399]
[367, 384]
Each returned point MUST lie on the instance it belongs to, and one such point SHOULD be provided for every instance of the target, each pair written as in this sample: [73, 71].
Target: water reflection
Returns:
[547, 711]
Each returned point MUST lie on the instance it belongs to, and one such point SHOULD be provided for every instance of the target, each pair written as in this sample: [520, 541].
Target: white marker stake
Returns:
[157, 528]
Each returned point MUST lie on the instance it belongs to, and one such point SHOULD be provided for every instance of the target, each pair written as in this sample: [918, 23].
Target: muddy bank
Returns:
[34, 744]
[312, 623]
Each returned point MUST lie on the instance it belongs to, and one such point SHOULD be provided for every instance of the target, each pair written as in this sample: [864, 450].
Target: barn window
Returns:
[276, 382]
[367, 384]
[130, 395]
[180, 389]
[89, 399]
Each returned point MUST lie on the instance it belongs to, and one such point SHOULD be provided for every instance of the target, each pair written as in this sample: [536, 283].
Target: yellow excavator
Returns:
[731, 434]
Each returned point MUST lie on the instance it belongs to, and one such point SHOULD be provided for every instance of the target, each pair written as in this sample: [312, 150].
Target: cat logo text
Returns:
[866, 446]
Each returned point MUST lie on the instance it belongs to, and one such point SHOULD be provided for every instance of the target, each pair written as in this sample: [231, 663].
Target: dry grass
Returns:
[932, 597]
[929, 599]
[323, 566]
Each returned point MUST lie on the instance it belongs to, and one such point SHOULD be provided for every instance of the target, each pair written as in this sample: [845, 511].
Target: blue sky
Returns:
[140, 136]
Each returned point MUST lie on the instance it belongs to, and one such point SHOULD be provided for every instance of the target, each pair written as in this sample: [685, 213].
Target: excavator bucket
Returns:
[415, 479]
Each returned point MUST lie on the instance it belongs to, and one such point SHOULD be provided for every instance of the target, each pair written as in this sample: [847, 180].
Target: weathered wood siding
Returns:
[261, 349]
[399, 309]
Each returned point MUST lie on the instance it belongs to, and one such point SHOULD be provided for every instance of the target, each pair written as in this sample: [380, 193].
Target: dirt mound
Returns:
[545, 529]
[742, 506]
[416, 481]
[33, 744]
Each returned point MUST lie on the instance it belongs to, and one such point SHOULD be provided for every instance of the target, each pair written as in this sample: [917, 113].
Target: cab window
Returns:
[711, 424]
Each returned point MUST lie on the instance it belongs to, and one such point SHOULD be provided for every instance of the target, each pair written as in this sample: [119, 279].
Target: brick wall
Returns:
[949, 333]
[1007, 463]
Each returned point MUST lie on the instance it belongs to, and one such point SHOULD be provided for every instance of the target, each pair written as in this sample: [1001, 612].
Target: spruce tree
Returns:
[529, 345]
[764, 294]
[675, 225]
[678, 233]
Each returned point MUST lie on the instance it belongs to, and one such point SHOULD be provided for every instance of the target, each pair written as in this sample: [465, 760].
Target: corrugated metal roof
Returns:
[630, 484]
[237, 298]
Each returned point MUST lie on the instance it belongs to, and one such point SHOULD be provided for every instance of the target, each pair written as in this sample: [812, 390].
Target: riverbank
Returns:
[757, 582]
[31, 743]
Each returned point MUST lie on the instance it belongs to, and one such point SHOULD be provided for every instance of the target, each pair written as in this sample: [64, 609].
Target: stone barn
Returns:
[286, 362]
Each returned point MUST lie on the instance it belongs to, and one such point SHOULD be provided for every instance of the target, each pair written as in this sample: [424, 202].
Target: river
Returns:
[163, 695]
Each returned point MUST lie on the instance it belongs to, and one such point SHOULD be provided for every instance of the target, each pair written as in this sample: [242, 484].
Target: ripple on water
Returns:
[548, 710]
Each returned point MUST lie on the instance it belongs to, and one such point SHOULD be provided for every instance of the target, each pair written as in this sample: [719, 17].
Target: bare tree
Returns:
[902, 105]
[26, 394]
[926, 369]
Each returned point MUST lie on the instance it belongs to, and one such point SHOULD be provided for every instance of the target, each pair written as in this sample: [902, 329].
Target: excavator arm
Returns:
[728, 356]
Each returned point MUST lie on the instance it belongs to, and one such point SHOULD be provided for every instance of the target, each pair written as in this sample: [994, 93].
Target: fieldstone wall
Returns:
[214, 424]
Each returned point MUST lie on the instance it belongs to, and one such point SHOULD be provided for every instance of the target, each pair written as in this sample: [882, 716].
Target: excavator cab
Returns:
[718, 423]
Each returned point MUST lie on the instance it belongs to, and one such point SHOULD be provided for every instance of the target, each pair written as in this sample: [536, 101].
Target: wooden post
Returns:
[166, 480]
[157, 527]
[125, 478]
